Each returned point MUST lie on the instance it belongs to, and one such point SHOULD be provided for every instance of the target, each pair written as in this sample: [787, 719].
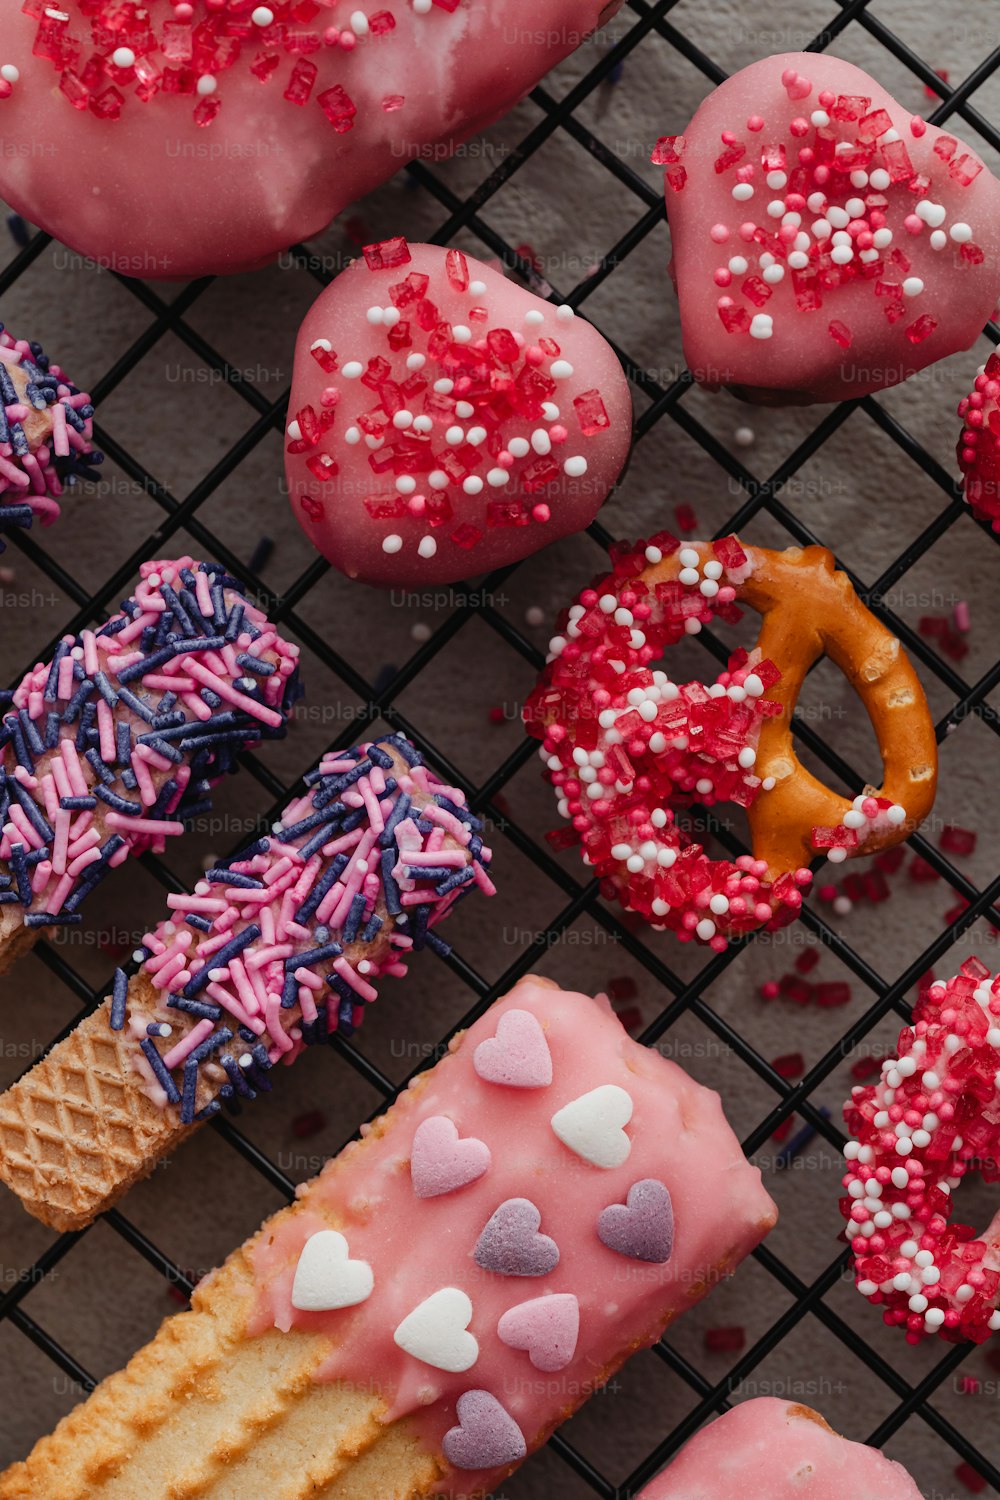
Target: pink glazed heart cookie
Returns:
[826, 244]
[208, 137]
[768, 1449]
[444, 421]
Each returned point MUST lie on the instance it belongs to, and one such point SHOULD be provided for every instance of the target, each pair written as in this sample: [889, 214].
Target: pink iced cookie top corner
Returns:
[444, 421]
[826, 241]
[593, 1209]
[767, 1449]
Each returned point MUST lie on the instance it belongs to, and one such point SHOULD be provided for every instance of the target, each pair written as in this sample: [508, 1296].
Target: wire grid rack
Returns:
[665, 402]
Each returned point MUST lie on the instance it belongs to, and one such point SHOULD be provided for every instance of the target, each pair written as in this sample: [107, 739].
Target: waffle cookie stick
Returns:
[106, 749]
[535, 1208]
[778, 1450]
[272, 951]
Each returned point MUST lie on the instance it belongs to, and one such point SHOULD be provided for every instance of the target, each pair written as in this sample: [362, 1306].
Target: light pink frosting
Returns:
[772, 1450]
[417, 1246]
[154, 195]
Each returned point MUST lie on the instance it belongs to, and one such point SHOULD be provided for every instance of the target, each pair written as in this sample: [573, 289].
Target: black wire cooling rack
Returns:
[757, 499]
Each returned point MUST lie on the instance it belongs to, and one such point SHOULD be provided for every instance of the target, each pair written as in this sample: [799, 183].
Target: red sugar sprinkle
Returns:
[971, 1478]
[623, 987]
[310, 1123]
[789, 1065]
[386, 254]
[725, 1340]
[807, 961]
[955, 840]
[687, 521]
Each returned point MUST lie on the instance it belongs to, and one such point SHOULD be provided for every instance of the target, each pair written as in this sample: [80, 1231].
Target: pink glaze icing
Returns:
[444, 421]
[924, 236]
[767, 1449]
[304, 117]
[419, 1246]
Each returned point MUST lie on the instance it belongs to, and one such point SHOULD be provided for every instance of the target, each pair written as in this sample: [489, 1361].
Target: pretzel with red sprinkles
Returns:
[625, 747]
[932, 1117]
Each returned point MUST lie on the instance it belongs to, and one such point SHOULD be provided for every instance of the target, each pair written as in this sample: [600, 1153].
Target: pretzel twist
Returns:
[622, 786]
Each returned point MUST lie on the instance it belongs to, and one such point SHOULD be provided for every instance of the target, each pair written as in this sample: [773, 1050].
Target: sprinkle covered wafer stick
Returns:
[768, 1449]
[46, 435]
[106, 749]
[543, 1202]
[274, 950]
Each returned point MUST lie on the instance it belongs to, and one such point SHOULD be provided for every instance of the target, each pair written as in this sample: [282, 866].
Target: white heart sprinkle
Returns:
[327, 1278]
[435, 1332]
[592, 1125]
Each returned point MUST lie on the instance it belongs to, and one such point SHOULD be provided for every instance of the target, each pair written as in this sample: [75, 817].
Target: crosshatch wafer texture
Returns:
[563, 119]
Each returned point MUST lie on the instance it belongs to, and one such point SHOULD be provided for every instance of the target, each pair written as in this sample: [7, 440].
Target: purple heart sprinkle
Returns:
[643, 1226]
[511, 1245]
[487, 1437]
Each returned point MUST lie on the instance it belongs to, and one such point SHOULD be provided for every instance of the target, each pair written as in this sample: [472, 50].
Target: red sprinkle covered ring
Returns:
[625, 747]
[931, 1118]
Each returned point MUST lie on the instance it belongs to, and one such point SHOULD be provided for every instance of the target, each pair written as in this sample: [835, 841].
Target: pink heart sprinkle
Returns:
[441, 1160]
[511, 1245]
[518, 1056]
[487, 1437]
[643, 1226]
[547, 1328]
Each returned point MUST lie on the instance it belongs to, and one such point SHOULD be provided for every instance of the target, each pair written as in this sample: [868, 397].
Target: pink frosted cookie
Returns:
[979, 444]
[46, 434]
[444, 421]
[825, 243]
[931, 1118]
[772, 1450]
[531, 1211]
[206, 137]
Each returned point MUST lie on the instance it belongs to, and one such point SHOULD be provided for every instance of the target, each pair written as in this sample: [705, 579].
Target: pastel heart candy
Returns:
[592, 1125]
[809, 273]
[441, 1161]
[518, 1056]
[547, 1328]
[643, 1226]
[326, 1278]
[444, 421]
[435, 1332]
[487, 1437]
[183, 184]
[511, 1245]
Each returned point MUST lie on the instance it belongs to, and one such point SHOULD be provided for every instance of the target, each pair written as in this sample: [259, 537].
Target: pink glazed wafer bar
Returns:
[778, 1450]
[538, 1206]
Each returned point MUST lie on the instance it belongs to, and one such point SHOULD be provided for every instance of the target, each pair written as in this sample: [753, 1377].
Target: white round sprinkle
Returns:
[742, 192]
[688, 557]
[352, 369]
[912, 286]
[705, 929]
[776, 180]
[855, 207]
[882, 238]
[738, 265]
[464, 409]
[534, 318]
[392, 542]
[442, 387]
[461, 333]
[427, 546]
[352, 435]
[390, 316]
[423, 424]
[403, 419]
[576, 466]
[565, 313]
[841, 255]
[938, 239]
[454, 435]
[960, 233]
[406, 484]
[743, 437]
[122, 57]
[798, 260]
[475, 436]
[541, 442]
[477, 288]
[879, 179]
[761, 326]
[472, 485]
[819, 118]
[774, 274]
[497, 477]
[560, 369]
[262, 16]
[207, 84]
[359, 23]
[518, 447]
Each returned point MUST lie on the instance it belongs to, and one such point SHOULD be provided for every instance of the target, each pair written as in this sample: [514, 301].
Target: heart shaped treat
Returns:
[487, 1436]
[326, 1278]
[444, 421]
[825, 243]
[593, 1125]
[223, 133]
[441, 1161]
[511, 1245]
[518, 1056]
[435, 1332]
[547, 1328]
[643, 1226]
